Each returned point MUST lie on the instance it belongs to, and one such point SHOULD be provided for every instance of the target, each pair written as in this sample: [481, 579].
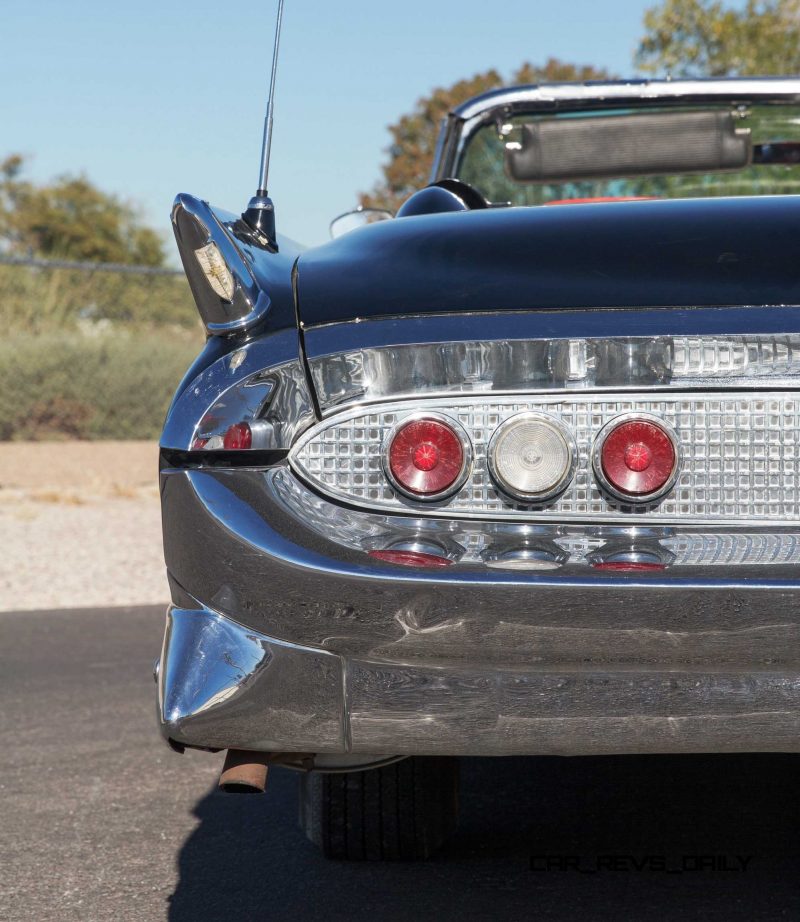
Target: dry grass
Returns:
[91, 354]
[74, 386]
[122, 491]
[57, 496]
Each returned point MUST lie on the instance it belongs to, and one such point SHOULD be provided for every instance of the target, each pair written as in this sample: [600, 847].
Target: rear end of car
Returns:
[645, 603]
[516, 482]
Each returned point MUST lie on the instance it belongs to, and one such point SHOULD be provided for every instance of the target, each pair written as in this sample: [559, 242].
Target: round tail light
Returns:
[636, 458]
[427, 457]
[532, 457]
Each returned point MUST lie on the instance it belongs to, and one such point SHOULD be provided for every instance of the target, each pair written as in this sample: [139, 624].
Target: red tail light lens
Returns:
[622, 566]
[239, 437]
[636, 459]
[427, 458]
[411, 558]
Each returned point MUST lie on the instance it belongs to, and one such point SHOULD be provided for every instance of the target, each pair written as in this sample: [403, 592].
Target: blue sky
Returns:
[154, 98]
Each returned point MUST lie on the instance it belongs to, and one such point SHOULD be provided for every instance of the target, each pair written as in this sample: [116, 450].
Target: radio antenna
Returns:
[260, 214]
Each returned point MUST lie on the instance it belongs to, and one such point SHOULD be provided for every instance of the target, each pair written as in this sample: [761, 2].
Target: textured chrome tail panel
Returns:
[740, 457]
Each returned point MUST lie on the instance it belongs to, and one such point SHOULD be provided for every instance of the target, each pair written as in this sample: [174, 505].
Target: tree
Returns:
[71, 218]
[708, 38]
[414, 135]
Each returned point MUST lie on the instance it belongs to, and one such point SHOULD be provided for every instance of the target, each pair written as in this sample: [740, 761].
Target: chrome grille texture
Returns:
[740, 457]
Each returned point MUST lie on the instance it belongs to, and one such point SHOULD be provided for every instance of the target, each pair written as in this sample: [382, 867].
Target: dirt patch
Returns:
[98, 467]
[80, 525]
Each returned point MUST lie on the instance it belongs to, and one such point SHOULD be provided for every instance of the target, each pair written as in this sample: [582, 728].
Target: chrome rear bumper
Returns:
[286, 636]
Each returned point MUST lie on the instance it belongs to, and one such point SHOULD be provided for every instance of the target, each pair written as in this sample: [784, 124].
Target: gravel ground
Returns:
[80, 525]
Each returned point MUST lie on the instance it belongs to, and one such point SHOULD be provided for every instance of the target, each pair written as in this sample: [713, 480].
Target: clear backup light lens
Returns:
[532, 457]
[536, 557]
[636, 458]
[427, 457]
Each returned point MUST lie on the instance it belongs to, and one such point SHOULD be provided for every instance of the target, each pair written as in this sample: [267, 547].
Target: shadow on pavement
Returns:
[645, 837]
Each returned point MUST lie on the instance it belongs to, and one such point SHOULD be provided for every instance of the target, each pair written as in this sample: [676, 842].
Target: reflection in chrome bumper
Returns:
[301, 642]
[225, 686]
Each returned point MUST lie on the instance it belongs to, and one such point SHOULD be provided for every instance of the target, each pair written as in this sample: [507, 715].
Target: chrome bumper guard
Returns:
[286, 638]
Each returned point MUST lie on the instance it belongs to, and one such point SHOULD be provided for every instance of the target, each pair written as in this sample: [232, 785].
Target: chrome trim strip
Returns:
[624, 92]
[558, 323]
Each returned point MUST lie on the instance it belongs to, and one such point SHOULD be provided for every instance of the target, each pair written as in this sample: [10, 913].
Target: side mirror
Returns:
[351, 220]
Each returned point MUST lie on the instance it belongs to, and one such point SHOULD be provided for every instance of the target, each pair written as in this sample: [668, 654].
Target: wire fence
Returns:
[40, 295]
[122, 268]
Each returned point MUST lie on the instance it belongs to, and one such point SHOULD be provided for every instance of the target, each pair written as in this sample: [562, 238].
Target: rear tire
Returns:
[403, 811]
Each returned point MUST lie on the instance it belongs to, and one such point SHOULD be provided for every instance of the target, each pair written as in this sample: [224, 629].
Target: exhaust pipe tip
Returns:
[244, 772]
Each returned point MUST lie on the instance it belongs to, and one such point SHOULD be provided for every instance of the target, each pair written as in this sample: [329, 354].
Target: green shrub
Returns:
[35, 300]
[107, 386]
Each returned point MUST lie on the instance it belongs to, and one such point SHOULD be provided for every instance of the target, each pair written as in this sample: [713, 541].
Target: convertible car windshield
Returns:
[686, 152]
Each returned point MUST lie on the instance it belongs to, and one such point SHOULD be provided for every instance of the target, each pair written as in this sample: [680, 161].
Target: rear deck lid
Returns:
[697, 252]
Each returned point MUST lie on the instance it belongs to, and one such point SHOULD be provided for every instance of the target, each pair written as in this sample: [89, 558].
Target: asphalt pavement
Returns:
[99, 820]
